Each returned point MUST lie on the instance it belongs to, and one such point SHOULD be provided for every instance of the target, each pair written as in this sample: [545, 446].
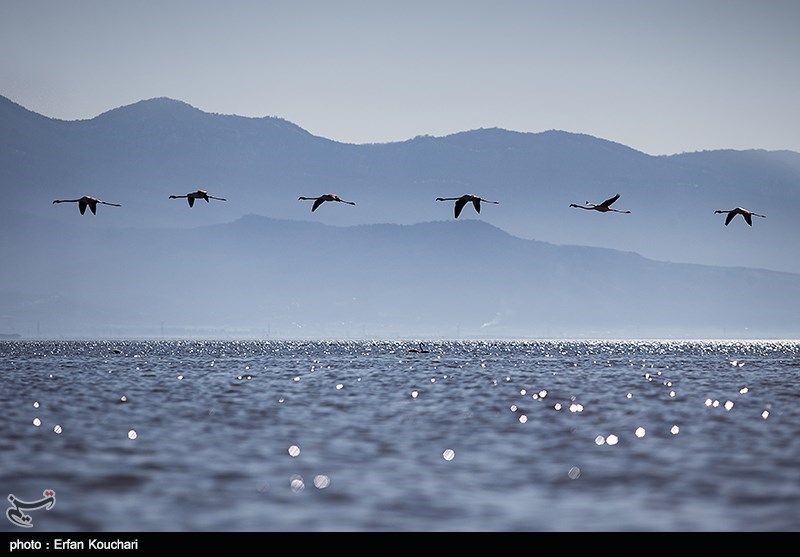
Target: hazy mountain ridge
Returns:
[138, 155]
[266, 277]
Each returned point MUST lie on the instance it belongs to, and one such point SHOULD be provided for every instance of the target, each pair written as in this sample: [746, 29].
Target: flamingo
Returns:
[87, 201]
[603, 207]
[463, 200]
[199, 194]
[421, 349]
[739, 211]
[323, 198]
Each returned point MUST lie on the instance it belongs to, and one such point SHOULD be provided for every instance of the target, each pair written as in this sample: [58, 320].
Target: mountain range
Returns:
[397, 263]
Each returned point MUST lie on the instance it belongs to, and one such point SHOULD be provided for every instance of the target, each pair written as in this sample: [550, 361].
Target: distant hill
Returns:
[138, 155]
[261, 277]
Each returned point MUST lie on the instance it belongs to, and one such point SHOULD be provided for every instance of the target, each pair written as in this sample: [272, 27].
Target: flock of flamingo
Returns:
[460, 203]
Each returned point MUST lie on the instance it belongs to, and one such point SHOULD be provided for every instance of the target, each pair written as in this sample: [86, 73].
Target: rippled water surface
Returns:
[371, 436]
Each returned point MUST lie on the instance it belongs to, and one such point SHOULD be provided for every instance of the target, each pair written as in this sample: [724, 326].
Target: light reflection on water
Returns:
[377, 436]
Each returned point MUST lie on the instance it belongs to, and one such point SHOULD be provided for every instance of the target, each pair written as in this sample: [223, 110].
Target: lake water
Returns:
[367, 436]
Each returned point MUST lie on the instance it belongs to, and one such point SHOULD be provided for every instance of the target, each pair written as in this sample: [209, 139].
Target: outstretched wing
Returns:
[729, 218]
[190, 199]
[477, 204]
[608, 202]
[317, 203]
[459, 206]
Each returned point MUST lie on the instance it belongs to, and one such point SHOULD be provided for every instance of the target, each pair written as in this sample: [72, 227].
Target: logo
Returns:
[16, 513]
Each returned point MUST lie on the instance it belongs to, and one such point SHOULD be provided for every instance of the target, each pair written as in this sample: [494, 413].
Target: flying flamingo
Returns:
[739, 211]
[323, 198]
[86, 201]
[463, 200]
[603, 207]
[199, 194]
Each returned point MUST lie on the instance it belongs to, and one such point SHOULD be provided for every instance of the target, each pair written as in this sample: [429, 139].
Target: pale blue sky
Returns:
[660, 76]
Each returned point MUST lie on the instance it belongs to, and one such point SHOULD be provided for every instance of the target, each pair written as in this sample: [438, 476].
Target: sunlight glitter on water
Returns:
[296, 483]
[328, 430]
